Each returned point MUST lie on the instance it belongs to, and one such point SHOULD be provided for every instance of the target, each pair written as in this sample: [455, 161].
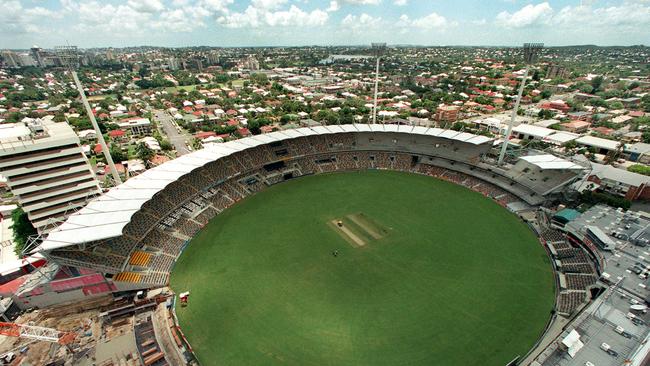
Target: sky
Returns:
[231, 23]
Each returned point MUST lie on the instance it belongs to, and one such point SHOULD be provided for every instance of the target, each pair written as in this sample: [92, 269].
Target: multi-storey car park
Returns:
[130, 237]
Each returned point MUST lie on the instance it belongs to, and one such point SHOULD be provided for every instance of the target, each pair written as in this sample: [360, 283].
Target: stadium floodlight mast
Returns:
[378, 49]
[69, 58]
[531, 51]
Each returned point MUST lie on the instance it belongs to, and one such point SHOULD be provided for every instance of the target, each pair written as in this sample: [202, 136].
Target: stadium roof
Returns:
[549, 162]
[106, 216]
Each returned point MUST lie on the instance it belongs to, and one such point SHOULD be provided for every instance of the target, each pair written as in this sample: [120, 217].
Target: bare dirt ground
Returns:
[366, 225]
[79, 318]
[347, 234]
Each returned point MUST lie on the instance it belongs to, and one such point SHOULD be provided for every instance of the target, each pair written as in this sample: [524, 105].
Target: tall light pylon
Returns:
[378, 50]
[531, 51]
[68, 56]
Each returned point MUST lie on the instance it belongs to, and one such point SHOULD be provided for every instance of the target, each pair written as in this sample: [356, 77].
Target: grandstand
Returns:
[133, 233]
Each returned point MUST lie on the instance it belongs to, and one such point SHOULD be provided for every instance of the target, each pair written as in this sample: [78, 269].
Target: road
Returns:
[176, 138]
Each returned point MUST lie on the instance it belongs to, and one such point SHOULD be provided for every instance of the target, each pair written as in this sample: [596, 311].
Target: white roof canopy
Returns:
[106, 216]
[550, 162]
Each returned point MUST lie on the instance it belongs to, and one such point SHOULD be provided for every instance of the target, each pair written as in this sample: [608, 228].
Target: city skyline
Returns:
[227, 23]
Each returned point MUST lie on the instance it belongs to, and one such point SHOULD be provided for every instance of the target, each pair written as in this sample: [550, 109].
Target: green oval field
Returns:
[426, 273]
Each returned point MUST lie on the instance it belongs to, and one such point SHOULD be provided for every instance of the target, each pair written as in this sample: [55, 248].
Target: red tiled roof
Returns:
[159, 159]
[118, 166]
[205, 135]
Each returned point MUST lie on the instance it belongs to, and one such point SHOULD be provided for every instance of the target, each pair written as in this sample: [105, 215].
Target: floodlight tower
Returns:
[69, 58]
[531, 51]
[378, 49]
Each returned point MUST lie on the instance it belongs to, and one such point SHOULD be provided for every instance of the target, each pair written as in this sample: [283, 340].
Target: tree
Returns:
[22, 229]
[116, 153]
[196, 144]
[597, 83]
[545, 114]
[221, 78]
[143, 152]
[277, 87]
[616, 105]
[166, 145]
[259, 79]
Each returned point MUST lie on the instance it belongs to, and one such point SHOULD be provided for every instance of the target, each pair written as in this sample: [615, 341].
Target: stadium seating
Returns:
[148, 348]
[206, 215]
[402, 162]
[274, 179]
[157, 233]
[127, 277]
[318, 143]
[139, 258]
[552, 235]
[345, 161]
[363, 160]
[162, 241]
[299, 146]
[220, 201]
[217, 171]
[577, 267]
[307, 165]
[568, 302]
[580, 281]
[187, 226]
[340, 141]
[382, 160]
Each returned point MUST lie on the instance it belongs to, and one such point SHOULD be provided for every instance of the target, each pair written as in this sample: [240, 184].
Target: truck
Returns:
[606, 347]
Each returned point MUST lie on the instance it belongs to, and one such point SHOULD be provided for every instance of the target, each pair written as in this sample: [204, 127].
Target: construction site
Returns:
[131, 330]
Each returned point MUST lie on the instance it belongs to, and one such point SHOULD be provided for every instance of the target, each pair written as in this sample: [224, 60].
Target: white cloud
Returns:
[334, 6]
[431, 21]
[15, 19]
[147, 6]
[185, 19]
[260, 15]
[362, 2]
[621, 16]
[400, 2]
[296, 17]
[586, 18]
[215, 5]
[362, 21]
[529, 15]
[268, 4]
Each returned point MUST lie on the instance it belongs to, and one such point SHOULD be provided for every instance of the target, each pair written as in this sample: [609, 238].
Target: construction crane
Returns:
[36, 333]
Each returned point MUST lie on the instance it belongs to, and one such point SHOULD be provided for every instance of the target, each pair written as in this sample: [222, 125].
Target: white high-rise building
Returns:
[46, 170]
